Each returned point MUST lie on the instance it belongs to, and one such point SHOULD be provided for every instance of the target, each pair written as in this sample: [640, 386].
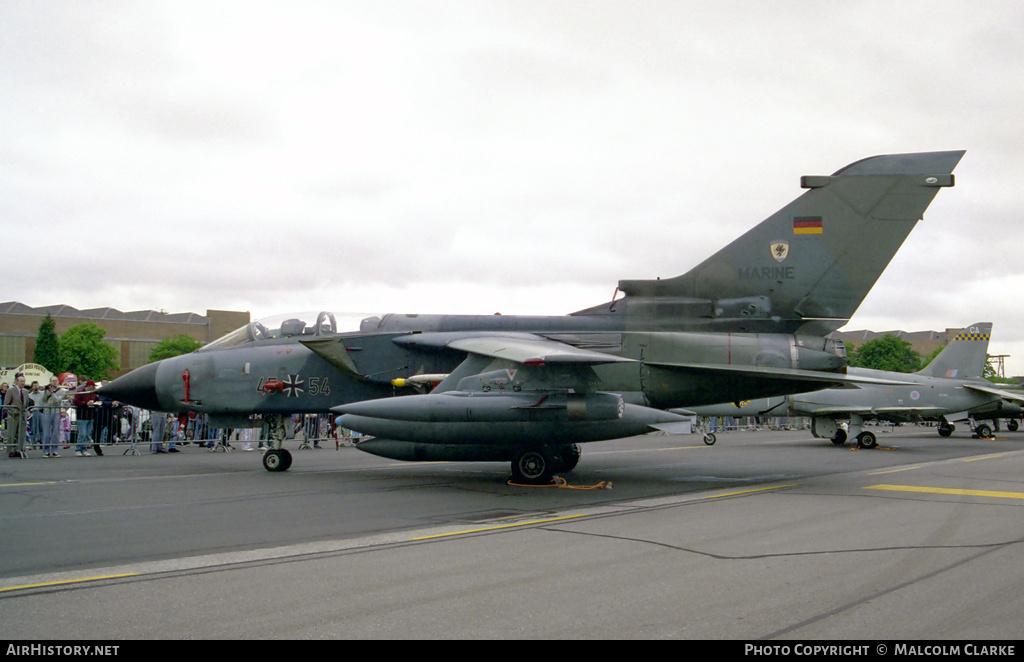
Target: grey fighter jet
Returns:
[747, 322]
[947, 390]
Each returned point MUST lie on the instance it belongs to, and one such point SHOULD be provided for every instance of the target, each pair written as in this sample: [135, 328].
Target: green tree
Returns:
[176, 346]
[85, 353]
[47, 351]
[887, 353]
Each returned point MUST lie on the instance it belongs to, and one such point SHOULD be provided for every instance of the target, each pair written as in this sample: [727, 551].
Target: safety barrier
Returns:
[752, 423]
[38, 425]
[774, 423]
[128, 427]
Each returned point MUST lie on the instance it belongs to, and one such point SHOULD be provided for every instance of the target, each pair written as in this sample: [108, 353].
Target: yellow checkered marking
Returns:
[972, 336]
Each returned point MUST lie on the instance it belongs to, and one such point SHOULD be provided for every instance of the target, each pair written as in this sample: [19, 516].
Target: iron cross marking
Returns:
[293, 386]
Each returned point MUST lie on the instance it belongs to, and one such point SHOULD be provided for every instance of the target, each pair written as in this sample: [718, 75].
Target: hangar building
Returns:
[134, 334]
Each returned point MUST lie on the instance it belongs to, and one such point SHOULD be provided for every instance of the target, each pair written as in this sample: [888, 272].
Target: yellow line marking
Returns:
[67, 581]
[495, 528]
[943, 490]
[892, 471]
[49, 482]
[983, 457]
[759, 489]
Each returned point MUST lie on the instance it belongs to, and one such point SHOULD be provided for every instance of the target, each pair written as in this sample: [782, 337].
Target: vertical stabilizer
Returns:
[965, 356]
[817, 257]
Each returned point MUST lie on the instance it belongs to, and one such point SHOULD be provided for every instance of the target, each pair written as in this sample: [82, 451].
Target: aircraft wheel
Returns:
[1012, 425]
[710, 438]
[946, 430]
[984, 431]
[277, 460]
[840, 437]
[866, 440]
[566, 458]
[532, 466]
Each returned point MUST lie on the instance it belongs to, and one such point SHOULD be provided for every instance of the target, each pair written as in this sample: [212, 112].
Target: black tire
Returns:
[866, 440]
[566, 458]
[710, 438]
[840, 437]
[277, 460]
[532, 466]
[1012, 425]
[984, 431]
[946, 430]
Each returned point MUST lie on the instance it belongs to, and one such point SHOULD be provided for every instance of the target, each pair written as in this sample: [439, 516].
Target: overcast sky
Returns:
[481, 156]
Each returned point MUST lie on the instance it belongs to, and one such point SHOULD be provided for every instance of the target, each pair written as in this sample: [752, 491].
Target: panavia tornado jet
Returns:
[747, 322]
[950, 389]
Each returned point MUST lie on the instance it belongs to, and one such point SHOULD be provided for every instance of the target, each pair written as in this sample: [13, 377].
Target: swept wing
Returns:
[1012, 396]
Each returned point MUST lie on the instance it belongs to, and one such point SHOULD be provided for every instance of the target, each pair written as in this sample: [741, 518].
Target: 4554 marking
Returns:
[294, 386]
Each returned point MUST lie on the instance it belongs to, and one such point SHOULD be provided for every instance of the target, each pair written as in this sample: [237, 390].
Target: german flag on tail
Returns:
[807, 225]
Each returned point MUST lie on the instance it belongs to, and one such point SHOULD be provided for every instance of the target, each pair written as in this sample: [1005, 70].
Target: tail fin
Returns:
[815, 259]
[965, 356]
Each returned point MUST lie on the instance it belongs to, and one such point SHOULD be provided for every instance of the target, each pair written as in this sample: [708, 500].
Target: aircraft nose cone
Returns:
[137, 388]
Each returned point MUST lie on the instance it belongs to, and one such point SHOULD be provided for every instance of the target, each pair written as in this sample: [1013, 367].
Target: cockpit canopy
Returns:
[291, 325]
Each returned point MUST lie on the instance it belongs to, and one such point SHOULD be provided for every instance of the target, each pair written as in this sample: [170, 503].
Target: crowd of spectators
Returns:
[56, 417]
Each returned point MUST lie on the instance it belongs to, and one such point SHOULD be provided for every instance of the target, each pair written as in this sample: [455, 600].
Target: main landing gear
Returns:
[867, 440]
[277, 459]
[981, 430]
[536, 466]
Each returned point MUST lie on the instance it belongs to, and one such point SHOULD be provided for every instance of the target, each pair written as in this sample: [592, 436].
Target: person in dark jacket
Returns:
[16, 404]
[86, 403]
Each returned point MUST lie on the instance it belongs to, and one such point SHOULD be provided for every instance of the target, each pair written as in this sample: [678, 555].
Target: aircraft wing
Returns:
[875, 411]
[525, 348]
[926, 411]
[1012, 396]
[534, 350]
[820, 379]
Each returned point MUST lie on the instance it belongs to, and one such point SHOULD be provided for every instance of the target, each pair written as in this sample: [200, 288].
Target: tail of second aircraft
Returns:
[965, 356]
[814, 260]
